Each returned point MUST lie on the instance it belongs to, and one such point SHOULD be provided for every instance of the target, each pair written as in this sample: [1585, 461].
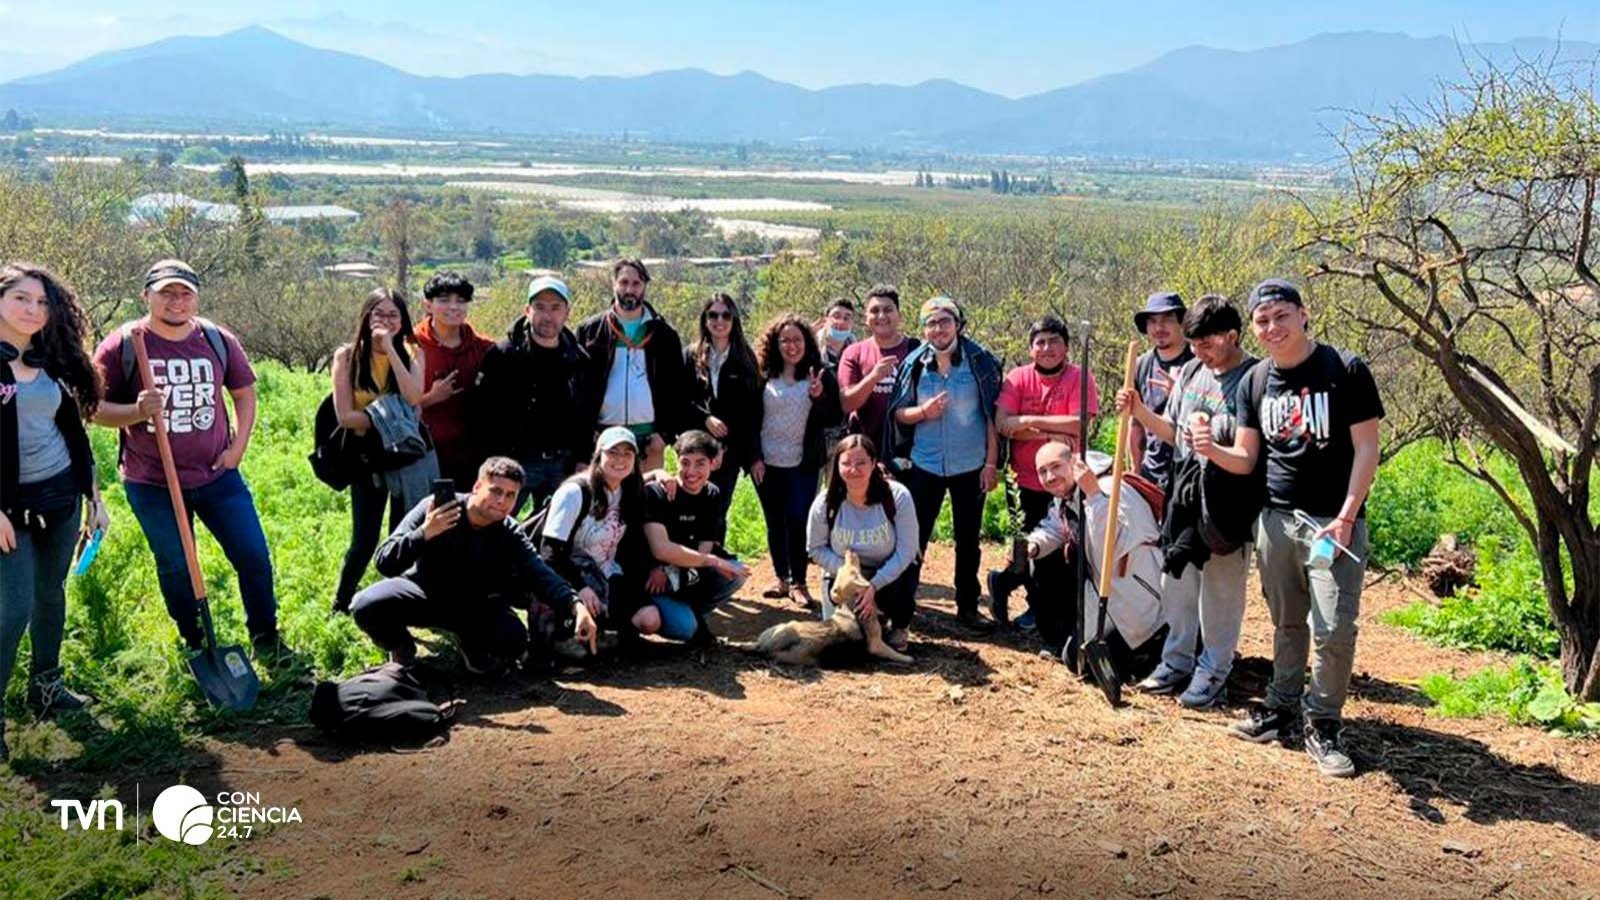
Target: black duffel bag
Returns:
[383, 705]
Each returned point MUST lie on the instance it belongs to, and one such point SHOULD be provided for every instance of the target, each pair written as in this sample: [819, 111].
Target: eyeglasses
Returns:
[386, 316]
[940, 322]
[713, 316]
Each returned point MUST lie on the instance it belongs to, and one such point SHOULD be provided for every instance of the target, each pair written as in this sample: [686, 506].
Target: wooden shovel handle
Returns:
[164, 445]
[1108, 555]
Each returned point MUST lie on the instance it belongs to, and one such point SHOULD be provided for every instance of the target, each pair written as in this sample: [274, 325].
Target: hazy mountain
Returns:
[1195, 102]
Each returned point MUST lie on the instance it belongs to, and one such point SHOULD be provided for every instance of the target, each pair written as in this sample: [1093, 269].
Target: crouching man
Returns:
[685, 528]
[1133, 610]
[464, 568]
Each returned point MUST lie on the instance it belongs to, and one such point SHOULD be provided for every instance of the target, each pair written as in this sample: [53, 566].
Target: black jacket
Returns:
[670, 389]
[825, 414]
[737, 403]
[517, 411]
[68, 421]
[493, 564]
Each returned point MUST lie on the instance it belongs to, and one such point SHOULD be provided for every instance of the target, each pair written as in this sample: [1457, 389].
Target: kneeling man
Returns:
[464, 568]
[685, 530]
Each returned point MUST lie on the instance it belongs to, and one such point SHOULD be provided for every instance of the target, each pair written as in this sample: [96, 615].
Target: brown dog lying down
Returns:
[811, 643]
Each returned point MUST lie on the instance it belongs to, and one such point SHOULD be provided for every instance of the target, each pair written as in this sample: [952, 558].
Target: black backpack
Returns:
[384, 705]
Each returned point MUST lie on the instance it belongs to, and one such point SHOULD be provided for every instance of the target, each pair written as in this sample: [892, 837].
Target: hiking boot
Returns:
[1325, 745]
[1205, 691]
[1164, 680]
[1264, 724]
[270, 649]
[1000, 596]
[48, 695]
[1026, 621]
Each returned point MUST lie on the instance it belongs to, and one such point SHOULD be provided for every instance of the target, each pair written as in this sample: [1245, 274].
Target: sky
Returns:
[1010, 47]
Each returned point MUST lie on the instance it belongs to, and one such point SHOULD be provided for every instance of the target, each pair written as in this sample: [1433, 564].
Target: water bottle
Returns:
[1323, 551]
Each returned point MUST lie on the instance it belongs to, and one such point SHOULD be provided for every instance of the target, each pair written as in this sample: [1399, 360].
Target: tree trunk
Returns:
[1580, 635]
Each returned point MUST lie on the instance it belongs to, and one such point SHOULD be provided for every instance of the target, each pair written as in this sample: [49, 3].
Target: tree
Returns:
[252, 221]
[1468, 236]
[398, 240]
[548, 248]
[485, 243]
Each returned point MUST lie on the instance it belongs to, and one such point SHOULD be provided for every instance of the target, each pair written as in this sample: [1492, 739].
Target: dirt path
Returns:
[982, 771]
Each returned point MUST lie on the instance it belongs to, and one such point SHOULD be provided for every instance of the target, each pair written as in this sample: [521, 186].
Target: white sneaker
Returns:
[1205, 691]
[1164, 680]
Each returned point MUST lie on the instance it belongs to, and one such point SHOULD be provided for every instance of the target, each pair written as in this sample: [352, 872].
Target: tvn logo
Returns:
[181, 814]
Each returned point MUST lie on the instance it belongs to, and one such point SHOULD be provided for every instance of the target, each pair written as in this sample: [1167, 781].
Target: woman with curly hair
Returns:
[800, 401]
[48, 389]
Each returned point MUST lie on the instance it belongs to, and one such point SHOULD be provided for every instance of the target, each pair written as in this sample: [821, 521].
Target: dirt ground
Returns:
[983, 770]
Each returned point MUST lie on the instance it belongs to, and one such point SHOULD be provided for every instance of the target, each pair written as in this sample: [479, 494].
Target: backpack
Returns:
[1150, 491]
[207, 327]
[382, 705]
[533, 526]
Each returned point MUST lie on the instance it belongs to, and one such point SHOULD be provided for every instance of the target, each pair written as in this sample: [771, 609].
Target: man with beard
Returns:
[533, 400]
[1038, 404]
[638, 359]
[941, 418]
[1161, 322]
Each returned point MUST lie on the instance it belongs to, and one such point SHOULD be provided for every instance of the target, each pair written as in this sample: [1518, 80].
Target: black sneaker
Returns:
[48, 695]
[1263, 724]
[1325, 744]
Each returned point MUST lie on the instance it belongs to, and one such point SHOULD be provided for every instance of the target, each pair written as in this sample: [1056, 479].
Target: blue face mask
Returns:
[839, 335]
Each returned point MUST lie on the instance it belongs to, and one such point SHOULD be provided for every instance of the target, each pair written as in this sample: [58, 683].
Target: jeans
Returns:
[682, 611]
[541, 475]
[387, 611]
[368, 500]
[966, 507]
[786, 504]
[1313, 611]
[33, 593]
[1205, 605]
[229, 513]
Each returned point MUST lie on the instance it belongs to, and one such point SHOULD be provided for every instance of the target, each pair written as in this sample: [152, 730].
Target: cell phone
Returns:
[444, 491]
[90, 549]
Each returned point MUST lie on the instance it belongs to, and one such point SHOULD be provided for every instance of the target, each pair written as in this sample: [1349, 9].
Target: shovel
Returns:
[1072, 653]
[223, 673]
[1097, 654]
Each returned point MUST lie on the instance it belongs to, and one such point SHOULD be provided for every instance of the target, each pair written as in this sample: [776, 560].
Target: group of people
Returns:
[525, 474]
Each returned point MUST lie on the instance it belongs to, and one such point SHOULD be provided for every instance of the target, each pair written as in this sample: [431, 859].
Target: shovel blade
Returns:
[1097, 656]
[225, 677]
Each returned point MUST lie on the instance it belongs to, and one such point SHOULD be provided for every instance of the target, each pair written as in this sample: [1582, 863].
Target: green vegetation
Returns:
[1524, 693]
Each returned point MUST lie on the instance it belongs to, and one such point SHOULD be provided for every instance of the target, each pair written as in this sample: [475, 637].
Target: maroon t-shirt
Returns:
[196, 414]
[854, 364]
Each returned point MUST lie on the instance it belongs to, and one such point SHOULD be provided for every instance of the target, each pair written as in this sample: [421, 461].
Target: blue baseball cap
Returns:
[548, 283]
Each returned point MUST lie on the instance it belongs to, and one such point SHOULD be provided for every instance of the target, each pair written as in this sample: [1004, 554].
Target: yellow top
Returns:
[380, 376]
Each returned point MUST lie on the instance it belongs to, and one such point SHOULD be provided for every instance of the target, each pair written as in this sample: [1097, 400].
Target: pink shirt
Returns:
[1027, 393]
[196, 413]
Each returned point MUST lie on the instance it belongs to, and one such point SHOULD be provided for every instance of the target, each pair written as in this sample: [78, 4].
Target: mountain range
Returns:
[1274, 103]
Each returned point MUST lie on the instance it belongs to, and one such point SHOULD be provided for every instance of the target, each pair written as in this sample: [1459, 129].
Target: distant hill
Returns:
[1202, 103]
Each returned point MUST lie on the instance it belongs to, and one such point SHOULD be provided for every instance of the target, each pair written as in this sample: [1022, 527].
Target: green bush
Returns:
[1505, 610]
[1524, 693]
[1417, 496]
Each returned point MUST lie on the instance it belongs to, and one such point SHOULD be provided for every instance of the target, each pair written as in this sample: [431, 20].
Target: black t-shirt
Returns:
[1157, 453]
[1304, 419]
[689, 518]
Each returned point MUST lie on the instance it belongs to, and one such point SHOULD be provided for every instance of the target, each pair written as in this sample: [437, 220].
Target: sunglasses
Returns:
[713, 316]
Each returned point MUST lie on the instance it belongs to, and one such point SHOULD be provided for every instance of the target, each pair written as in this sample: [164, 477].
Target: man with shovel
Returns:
[1313, 410]
[194, 363]
[1133, 606]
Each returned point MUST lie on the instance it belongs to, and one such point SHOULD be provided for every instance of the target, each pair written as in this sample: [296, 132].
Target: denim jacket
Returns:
[897, 438]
